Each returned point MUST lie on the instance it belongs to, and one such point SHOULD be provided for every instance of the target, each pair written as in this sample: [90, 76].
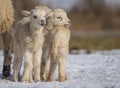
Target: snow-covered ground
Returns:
[100, 69]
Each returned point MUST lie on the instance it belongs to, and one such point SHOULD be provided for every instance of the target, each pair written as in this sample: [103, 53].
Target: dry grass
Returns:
[95, 43]
[106, 20]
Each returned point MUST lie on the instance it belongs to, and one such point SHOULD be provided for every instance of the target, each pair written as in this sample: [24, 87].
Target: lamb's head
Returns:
[60, 18]
[45, 8]
[37, 17]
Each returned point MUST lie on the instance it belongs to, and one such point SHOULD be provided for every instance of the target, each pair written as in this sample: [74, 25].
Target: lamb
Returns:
[46, 33]
[29, 40]
[59, 37]
[6, 21]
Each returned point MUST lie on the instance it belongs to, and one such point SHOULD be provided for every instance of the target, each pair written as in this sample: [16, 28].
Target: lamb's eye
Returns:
[59, 18]
[35, 17]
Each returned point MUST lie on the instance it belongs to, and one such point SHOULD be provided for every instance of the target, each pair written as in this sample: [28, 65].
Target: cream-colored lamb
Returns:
[46, 46]
[58, 42]
[28, 44]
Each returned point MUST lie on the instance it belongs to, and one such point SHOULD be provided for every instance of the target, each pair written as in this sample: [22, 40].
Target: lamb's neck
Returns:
[34, 30]
[57, 27]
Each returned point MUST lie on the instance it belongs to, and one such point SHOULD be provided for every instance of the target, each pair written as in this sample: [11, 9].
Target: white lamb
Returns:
[28, 44]
[58, 43]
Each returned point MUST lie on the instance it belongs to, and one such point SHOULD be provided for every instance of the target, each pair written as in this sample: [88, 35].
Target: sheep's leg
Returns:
[53, 64]
[46, 69]
[53, 60]
[52, 70]
[30, 77]
[17, 62]
[45, 64]
[27, 74]
[43, 61]
[37, 65]
[6, 38]
[61, 69]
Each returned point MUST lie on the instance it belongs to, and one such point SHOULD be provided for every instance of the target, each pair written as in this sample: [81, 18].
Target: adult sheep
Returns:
[6, 21]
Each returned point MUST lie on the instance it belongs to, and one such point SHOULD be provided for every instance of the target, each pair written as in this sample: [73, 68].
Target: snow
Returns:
[100, 69]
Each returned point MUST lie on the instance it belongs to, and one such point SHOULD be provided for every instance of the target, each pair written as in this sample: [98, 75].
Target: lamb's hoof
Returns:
[37, 80]
[30, 81]
[65, 77]
[44, 78]
[6, 71]
[49, 80]
[25, 81]
[14, 80]
[62, 79]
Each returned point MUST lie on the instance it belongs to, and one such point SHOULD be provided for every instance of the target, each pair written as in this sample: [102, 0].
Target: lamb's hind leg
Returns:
[17, 63]
[53, 60]
[61, 69]
[45, 64]
[46, 69]
[53, 64]
[37, 65]
[27, 74]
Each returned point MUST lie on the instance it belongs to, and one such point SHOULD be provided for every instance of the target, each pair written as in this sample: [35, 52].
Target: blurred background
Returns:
[95, 23]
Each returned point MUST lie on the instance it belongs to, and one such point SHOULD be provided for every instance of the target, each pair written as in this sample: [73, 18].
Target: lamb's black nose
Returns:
[42, 22]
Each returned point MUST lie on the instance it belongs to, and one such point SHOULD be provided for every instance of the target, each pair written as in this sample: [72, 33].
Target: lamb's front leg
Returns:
[37, 65]
[27, 74]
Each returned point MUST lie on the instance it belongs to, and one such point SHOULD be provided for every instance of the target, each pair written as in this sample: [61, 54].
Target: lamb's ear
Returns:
[50, 14]
[25, 13]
